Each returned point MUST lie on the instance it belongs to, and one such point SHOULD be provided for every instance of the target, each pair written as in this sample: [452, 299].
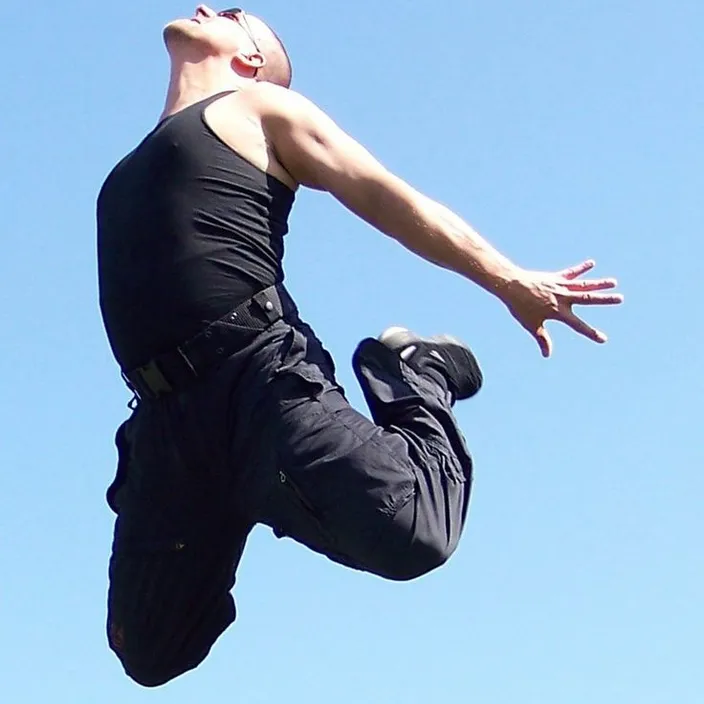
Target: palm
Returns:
[536, 297]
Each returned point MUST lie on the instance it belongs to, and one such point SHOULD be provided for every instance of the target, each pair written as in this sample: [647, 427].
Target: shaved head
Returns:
[278, 67]
[209, 34]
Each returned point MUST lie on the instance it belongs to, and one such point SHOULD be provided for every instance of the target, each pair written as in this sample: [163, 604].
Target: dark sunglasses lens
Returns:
[231, 11]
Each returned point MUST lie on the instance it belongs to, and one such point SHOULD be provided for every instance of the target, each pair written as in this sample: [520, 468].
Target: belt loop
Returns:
[151, 377]
[270, 303]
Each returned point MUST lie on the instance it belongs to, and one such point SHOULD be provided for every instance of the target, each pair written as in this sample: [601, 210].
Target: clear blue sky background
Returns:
[562, 129]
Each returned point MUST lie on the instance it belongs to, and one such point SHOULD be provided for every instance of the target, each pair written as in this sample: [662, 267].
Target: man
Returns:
[238, 417]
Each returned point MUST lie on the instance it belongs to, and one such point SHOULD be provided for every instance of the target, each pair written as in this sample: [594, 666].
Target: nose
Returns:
[204, 11]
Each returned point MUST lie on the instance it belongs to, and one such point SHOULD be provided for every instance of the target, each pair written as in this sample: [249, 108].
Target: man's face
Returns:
[224, 35]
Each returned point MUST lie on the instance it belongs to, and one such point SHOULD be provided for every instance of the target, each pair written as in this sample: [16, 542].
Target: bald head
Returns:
[278, 67]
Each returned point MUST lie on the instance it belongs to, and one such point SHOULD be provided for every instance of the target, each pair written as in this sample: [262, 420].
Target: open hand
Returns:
[535, 297]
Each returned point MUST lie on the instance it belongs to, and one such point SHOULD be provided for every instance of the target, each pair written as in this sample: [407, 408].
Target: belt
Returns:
[177, 368]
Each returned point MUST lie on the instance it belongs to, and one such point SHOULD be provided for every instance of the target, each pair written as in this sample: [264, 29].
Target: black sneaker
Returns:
[440, 356]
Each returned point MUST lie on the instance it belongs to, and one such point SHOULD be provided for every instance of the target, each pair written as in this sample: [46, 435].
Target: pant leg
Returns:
[390, 496]
[427, 528]
[175, 552]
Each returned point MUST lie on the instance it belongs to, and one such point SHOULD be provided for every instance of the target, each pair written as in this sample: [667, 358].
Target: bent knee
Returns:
[152, 662]
[148, 677]
[414, 560]
[152, 670]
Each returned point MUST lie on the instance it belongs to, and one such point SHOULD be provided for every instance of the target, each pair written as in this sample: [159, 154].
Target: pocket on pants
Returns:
[340, 475]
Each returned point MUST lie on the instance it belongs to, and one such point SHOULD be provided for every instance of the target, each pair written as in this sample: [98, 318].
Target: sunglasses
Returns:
[238, 15]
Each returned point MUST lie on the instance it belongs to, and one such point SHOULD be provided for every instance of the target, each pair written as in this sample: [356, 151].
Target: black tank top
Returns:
[187, 230]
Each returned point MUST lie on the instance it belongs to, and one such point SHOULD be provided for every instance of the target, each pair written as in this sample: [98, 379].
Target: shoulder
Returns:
[272, 101]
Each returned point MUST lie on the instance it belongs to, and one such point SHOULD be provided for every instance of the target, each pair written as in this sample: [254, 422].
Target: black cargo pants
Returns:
[269, 438]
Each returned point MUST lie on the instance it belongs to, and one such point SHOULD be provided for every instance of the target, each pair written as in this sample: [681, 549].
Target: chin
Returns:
[179, 28]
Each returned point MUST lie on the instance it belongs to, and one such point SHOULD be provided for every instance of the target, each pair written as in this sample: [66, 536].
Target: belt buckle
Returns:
[153, 379]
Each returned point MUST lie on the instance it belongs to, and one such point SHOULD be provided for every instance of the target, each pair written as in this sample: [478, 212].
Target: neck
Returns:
[191, 82]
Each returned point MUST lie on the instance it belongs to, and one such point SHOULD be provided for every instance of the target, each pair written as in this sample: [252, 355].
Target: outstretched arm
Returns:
[318, 154]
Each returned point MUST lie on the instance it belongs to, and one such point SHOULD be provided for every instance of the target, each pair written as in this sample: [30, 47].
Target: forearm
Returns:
[440, 236]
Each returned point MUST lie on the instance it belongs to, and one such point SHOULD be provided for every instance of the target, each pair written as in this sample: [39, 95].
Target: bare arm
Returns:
[318, 154]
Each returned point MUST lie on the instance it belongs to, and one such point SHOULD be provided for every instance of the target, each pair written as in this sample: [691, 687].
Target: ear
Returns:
[248, 62]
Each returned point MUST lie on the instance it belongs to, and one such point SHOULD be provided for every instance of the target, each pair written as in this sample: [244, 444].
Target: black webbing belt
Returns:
[174, 370]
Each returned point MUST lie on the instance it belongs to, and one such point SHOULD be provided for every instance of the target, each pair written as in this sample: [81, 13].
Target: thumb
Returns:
[544, 341]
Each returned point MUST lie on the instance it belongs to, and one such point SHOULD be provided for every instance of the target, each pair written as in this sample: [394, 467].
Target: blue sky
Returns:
[561, 130]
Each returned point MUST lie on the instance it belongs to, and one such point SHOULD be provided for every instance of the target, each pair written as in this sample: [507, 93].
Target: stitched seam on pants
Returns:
[448, 463]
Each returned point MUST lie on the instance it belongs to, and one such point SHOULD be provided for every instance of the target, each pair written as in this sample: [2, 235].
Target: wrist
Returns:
[499, 280]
